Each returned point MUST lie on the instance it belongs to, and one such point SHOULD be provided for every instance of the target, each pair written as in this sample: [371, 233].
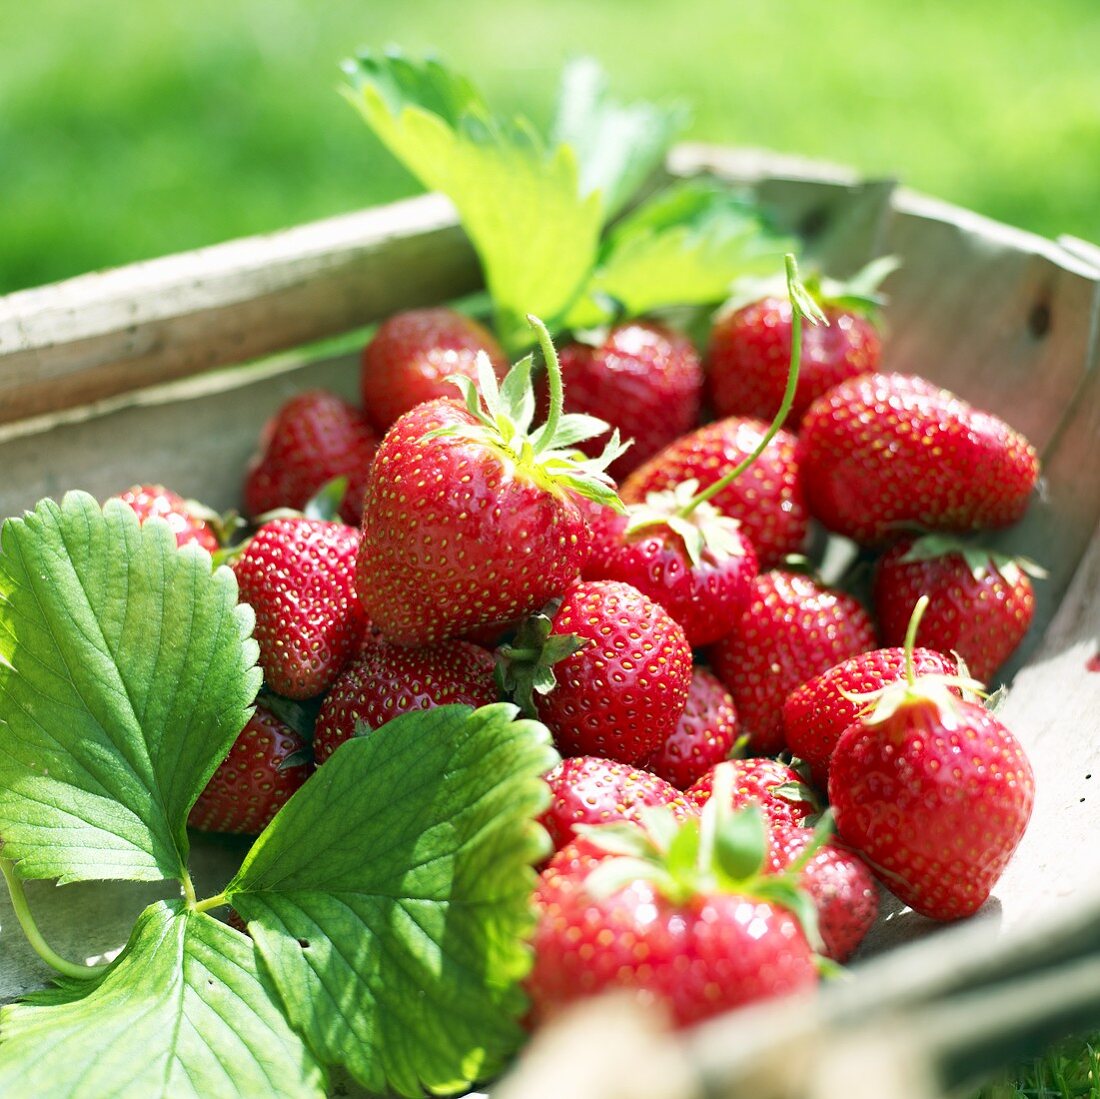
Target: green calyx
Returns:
[720, 851]
[526, 667]
[980, 560]
[859, 295]
[933, 689]
[704, 530]
[503, 418]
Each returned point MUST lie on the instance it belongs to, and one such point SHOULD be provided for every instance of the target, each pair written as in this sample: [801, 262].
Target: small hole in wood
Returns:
[813, 223]
[1038, 320]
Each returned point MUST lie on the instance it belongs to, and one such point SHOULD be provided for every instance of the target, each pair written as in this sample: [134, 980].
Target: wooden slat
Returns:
[101, 334]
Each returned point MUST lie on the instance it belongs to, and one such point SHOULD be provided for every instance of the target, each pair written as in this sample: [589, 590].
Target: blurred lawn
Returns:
[132, 130]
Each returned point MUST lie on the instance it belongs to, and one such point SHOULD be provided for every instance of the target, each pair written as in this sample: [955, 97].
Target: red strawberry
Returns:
[298, 576]
[388, 680]
[767, 498]
[667, 932]
[181, 517]
[609, 674]
[314, 438]
[470, 516]
[816, 713]
[934, 792]
[413, 353]
[886, 450]
[839, 883]
[592, 790]
[791, 630]
[644, 379]
[777, 789]
[703, 736]
[268, 761]
[980, 602]
[750, 344]
[698, 566]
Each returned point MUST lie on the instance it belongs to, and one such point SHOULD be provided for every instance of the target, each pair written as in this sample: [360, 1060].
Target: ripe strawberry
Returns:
[180, 515]
[413, 353]
[608, 674]
[698, 566]
[777, 789]
[767, 498]
[816, 713]
[792, 630]
[387, 680]
[885, 450]
[980, 602]
[592, 790]
[837, 880]
[934, 792]
[312, 439]
[470, 517]
[692, 939]
[703, 736]
[298, 576]
[750, 344]
[269, 760]
[644, 379]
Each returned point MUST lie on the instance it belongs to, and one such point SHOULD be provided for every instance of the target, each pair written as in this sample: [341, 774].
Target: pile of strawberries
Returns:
[481, 551]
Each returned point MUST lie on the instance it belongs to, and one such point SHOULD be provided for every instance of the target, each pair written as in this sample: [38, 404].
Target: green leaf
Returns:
[683, 247]
[183, 1012]
[618, 145]
[126, 672]
[325, 503]
[519, 201]
[390, 896]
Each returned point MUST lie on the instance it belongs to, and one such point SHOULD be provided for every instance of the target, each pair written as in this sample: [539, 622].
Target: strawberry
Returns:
[642, 378]
[298, 577]
[838, 882]
[470, 517]
[777, 789]
[816, 713]
[269, 760]
[693, 928]
[933, 791]
[413, 353]
[750, 344]
[767, 498]
[182, 516]
[592, 790]
[312, 439]
[791, 630]
[387, 680]
[980, 602]
[885, 450]
[608, 672]
[698, 565]
[703, 736]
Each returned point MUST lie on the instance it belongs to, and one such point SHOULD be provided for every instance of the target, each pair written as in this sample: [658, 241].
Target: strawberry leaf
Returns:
[390, 897]
[618, 145]
[126, 672]
[184, 1011]
[519, 200]
[683, 247]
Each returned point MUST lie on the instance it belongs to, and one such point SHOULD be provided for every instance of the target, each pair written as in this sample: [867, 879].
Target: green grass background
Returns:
[128, 130]
[133, 129]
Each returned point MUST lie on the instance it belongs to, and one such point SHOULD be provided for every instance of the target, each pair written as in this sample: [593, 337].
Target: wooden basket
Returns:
[133, 375]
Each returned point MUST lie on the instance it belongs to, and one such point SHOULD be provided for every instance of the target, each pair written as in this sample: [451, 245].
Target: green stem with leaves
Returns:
[34, 936]
[557, 386]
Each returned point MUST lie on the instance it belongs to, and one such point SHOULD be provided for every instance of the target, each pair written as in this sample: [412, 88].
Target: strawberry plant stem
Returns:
[798, 299]
[34, 936]
[211, 902]
[553, 376]
[911, 638]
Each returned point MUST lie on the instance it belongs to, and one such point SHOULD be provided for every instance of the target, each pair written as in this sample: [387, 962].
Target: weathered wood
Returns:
[101, 334]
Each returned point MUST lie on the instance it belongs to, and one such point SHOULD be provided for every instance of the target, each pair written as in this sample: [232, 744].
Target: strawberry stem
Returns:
[802, 305]
[911, 638]
[26, 921]
[557, 387]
